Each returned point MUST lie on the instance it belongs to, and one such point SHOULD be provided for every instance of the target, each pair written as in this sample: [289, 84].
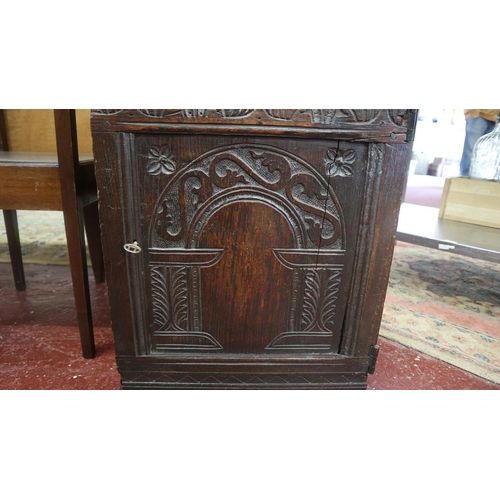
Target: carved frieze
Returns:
[314, 116]
[367, 125]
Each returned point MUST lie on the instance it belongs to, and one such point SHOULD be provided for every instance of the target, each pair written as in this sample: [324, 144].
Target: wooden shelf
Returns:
[422, 226]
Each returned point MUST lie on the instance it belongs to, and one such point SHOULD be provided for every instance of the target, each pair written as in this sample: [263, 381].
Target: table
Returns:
[421, 225]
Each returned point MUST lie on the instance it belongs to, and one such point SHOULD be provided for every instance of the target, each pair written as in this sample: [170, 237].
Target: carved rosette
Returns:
[339, 163]
[160, 160]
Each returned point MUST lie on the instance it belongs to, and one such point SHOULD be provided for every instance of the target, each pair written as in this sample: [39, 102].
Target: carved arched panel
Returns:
[252, 216]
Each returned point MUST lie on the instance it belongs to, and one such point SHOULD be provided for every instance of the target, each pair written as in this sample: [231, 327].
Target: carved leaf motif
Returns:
[234, 113]
[328, 309]
[281, 114]
[361, 115]
[194, 113]
[159, 113]
[311, 299]
[161, 307]
[397, 115]
[324, 116]
[179, 295]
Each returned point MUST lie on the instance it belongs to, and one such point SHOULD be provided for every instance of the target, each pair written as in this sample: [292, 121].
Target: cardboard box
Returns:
[471, 200]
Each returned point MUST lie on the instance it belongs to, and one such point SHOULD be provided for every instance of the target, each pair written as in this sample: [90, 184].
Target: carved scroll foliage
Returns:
[249, 171]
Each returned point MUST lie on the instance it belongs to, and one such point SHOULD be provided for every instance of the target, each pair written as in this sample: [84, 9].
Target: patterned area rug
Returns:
[446, 306]
[43, 239]
[440, 304]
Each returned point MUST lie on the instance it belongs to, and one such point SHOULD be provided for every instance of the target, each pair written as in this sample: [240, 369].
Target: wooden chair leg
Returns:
[79, 274]
[93, 230]
[67, 150]
[16, 257]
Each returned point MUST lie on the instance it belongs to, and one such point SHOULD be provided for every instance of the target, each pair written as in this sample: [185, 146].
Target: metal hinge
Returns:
[373, 354]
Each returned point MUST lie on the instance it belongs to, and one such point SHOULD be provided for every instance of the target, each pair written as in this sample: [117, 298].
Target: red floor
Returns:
[40, 349]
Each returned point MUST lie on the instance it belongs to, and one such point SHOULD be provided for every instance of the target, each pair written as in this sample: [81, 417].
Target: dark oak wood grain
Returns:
[249, 248]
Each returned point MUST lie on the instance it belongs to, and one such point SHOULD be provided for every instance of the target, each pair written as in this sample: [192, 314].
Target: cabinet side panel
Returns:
[111, 212]
[393, 181]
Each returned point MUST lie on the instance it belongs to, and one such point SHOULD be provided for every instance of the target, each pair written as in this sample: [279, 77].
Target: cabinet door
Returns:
[248, 244]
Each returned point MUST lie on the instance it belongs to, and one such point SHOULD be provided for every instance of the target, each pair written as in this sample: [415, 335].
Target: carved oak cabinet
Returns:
[249, 248]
